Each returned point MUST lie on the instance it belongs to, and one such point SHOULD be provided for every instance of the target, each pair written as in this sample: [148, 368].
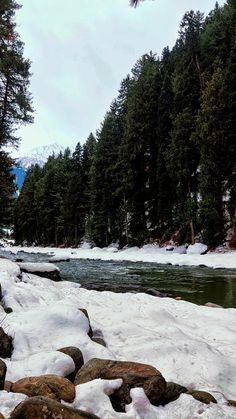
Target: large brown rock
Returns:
[3, 370]
[43, 408]
[6, 346]
[133, 374]
[77, 356]
[50, 386]
[1, 416]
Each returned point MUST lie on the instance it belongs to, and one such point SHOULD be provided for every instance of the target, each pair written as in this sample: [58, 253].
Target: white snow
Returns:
[38, 267]
[196, 249]
[93, 397]
[8, 402]
[148, 253]
[191, 345]
[60, 258]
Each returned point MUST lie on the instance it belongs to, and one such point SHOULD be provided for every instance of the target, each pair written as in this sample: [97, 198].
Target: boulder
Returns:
[3, 370]
[50, 386]
[6, 346]
[172, 393]
[43, 408]
[45, 270]
[232, 403]
[133, 374]
[202, 396]
[1, 416]
[77, 356]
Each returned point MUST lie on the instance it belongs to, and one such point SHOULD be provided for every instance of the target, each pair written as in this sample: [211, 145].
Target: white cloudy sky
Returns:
[80, 51]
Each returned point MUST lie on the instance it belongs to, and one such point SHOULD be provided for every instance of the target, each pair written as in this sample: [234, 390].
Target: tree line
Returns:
[164, 158]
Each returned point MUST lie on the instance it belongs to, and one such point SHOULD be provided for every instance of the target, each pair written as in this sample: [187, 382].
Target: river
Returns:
[196, 284]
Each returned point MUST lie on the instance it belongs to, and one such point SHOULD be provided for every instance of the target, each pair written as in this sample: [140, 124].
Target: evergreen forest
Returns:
[163, 162]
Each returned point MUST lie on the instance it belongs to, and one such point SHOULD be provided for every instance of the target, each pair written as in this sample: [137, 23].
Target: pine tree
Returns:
[104, 178]
[183, 155]
[15, 100]
[7, 190]
[139, 146]
[213, 159]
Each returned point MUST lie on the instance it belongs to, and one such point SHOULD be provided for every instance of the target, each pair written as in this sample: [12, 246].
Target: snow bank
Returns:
[148, 253]
[191, 345]
[196, 249]
[38, 267]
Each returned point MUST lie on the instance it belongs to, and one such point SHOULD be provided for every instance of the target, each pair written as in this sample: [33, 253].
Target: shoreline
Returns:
[148, 254]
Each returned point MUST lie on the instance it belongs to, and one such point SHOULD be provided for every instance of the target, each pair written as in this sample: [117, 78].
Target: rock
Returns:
[50, 386]
[133, 374]
[197, 249]
[213, 305]
[172, 393]
[100, 341]
[202, 396]
[154, 292]
[7, 386]
[169, 248]
[43, 408]
[6, 346]
[59, 259]
[18, 260]
[1, 416]
[3, 370]
[8, 310]
[232, 403]
[45, 270]
[98, 337]
[90, 333]
[77, 356]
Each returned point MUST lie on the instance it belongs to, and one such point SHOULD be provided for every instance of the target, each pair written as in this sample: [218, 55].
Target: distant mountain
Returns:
[43, 152]
[37, 155]
[28, 161]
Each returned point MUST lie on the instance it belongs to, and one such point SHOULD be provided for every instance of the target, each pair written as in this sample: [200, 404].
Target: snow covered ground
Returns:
[149, 253]
[189, 344]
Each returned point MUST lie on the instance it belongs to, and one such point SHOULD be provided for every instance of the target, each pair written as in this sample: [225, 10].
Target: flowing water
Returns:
[196, 284]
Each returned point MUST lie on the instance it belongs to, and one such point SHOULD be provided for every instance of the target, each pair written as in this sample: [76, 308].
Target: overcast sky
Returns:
[80, 51]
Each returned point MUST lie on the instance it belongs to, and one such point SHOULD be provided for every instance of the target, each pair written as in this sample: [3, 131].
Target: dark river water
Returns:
[196, 284]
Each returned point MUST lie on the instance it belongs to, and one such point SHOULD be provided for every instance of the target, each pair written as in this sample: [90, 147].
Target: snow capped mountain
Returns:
[38, 155]
[27, 161]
